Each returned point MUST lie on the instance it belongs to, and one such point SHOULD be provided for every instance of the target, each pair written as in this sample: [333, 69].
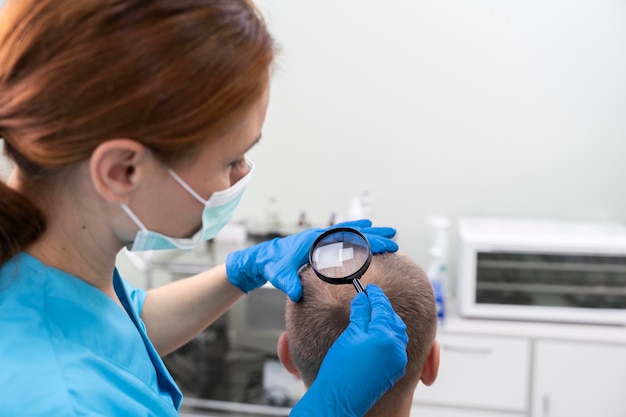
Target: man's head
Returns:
[313, 324]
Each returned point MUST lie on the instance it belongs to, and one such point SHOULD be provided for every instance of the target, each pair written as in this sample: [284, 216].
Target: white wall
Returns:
[5, 166]
[454, 107]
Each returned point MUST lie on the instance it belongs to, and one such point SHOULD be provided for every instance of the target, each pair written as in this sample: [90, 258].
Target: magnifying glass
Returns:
[341, 256]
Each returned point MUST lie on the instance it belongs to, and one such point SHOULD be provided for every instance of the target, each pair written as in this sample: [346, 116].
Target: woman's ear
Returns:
[431, 367]
[284, 355]
[115, 168]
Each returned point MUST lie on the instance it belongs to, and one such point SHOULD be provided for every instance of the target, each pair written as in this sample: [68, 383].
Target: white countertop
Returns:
[197, 407]
[531, 329]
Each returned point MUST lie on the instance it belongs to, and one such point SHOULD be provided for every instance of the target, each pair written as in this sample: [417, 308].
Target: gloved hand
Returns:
[278, 260]
[363, 363]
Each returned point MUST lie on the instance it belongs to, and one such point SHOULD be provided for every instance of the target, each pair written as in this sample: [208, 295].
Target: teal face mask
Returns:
[218, 210]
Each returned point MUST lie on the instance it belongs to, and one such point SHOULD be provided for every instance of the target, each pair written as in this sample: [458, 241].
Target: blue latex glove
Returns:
[278, 260]
[363, 363]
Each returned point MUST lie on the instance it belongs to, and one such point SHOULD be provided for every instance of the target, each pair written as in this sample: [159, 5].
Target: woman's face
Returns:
[221, 162]
[218, 164]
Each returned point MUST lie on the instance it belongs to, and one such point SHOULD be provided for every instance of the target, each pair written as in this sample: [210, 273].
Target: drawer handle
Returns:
[466, 349]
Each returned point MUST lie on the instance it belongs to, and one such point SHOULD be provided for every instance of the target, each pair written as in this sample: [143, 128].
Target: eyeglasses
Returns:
[341, 256]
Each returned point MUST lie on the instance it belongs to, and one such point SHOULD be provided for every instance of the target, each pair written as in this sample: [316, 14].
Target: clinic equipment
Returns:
[341, 256]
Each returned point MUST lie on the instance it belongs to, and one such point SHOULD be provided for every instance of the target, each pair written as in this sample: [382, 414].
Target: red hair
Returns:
[75, 73]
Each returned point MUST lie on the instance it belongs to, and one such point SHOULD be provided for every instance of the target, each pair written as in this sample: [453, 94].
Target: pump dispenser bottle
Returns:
[437, 270]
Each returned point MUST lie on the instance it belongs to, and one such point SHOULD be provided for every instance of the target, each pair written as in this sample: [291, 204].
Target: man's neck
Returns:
[400, 409]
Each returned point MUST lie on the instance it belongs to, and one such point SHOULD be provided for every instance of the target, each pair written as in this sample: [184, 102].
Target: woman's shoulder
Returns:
[67, 349]
[31, 378]
[21, 291]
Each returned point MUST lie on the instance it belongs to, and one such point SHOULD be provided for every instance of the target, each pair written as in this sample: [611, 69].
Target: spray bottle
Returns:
[437, 270]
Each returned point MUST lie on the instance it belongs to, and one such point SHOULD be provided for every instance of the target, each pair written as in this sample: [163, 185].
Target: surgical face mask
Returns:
[218, 210]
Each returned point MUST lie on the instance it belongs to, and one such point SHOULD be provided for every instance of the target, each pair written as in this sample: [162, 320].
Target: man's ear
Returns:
[114, 168]
[431, 367]
[284, 355]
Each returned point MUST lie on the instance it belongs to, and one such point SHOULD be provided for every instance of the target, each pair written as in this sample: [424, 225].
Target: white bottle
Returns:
[437, 270]
[366, 204]
[355, 212]
[272, 216]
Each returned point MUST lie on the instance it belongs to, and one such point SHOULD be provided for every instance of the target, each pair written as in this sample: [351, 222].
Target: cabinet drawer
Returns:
[480, 372]
[431, 411]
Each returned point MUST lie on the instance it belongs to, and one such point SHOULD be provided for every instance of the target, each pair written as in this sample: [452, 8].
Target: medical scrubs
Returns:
[67, 349]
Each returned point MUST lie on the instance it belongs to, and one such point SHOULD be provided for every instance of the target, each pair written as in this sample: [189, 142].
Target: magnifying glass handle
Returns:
[358, 286]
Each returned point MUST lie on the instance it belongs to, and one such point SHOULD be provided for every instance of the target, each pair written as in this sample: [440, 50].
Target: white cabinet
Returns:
[480, 372]
[430, 411]
[574, 379]
[492, 368]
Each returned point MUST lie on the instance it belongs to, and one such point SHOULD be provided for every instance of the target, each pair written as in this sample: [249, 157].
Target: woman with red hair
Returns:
[128, 123]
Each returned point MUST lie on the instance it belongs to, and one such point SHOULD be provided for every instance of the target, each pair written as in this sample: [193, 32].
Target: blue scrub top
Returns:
[67, 349]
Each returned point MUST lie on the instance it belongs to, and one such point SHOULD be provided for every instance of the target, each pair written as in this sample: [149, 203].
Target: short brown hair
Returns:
[318, 319]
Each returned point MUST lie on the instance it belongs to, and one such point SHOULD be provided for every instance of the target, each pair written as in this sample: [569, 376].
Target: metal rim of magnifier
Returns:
[347, 279]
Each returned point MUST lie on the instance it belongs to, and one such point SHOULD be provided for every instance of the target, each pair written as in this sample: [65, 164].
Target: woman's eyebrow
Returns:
[258, 139]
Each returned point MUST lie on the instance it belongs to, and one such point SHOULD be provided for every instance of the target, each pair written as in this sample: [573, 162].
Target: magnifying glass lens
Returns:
[340, 255]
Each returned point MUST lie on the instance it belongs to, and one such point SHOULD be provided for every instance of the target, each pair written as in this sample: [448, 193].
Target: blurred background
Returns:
[453, 107]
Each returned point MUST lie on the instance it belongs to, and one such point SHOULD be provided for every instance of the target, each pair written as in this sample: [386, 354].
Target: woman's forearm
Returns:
[176, 312]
